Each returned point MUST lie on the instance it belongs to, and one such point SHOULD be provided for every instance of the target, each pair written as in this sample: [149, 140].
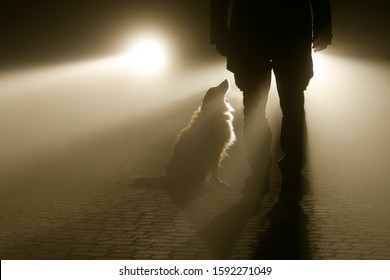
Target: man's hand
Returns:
[320, 43]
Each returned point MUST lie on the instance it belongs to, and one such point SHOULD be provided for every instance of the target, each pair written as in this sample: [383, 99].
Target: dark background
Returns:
[41, 31]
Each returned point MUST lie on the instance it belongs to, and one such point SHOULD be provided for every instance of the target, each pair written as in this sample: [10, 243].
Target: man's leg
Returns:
[293, 72]
[257, 134]
[293, 132]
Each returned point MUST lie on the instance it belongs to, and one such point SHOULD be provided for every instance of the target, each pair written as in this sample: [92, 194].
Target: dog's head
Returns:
[215, 98]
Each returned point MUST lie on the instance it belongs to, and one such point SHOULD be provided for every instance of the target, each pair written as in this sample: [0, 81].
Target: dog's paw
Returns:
[221, 184]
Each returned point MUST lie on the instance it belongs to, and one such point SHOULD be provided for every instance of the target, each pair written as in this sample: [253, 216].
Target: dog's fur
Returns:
[201, 145]
[199, 148]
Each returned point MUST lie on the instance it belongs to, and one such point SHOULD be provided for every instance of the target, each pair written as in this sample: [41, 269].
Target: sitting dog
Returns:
[200, 147]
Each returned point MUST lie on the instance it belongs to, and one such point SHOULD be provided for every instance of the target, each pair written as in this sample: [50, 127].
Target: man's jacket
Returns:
[266, 26]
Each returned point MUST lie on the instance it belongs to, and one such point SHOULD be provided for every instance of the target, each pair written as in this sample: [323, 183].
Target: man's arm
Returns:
[322, 24]
[219, 33]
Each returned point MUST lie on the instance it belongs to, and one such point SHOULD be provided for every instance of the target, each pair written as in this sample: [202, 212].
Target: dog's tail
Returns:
[145, 181]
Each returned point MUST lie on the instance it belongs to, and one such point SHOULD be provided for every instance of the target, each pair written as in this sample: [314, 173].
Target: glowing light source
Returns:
[146, 55]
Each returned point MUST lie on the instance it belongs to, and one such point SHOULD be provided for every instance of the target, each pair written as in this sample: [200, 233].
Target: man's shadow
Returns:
[285, 234]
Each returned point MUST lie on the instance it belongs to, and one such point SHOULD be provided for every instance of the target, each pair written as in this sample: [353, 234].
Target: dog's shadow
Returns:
[179, 195]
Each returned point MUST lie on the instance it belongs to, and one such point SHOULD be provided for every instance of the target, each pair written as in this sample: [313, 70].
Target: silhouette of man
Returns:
[260, 36]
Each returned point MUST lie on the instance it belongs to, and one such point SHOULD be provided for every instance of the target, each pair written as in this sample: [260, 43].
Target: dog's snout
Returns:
[225, 84]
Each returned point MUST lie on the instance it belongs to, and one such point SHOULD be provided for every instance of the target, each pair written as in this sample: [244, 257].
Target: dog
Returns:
[200, 147]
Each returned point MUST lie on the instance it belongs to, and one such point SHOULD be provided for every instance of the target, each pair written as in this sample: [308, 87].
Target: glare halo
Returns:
[146, 54]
